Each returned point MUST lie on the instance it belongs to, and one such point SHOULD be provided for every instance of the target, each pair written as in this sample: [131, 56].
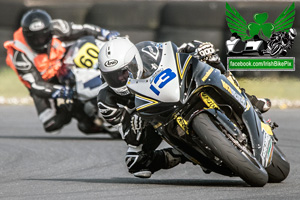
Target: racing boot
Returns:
[143, 165]
[89, 127]
[173, 158]
[262, 104]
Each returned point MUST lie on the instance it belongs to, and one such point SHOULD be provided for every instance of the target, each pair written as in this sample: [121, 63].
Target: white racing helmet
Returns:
[118, 60]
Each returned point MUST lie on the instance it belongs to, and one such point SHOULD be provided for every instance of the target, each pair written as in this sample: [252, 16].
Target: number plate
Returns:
[87, 56]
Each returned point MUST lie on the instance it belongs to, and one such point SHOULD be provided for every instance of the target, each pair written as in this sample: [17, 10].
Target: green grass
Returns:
[271, 87]
[10, 85]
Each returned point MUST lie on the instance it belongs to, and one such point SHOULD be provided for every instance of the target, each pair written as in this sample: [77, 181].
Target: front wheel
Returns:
[279, 168]
[244, 166]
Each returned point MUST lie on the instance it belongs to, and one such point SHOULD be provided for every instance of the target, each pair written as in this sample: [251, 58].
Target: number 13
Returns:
[161, 80]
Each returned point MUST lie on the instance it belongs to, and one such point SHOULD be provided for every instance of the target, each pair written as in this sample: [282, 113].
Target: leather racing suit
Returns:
[39, 73]
[142, 158]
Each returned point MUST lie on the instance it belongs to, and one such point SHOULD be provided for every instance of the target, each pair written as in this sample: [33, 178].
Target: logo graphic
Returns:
[111, 63]
[260, 38]
[37, 26]
[237, 24]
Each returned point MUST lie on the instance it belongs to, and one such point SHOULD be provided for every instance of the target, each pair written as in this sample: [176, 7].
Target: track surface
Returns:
[70, 165]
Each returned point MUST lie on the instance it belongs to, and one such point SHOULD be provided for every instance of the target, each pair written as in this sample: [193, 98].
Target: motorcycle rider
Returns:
[283, 41]
[35, 54]
[120, 59]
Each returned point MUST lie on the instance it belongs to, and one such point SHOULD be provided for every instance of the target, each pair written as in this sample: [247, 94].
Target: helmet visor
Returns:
[37, 40]
[119, 77]
[132, 67]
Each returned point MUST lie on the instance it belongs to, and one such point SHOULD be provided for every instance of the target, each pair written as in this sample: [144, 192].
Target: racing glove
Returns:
[204, 51]
[208, 53]
[189, 47]
[64, 92]
[137, 125]
[109, 35]
[133, 130]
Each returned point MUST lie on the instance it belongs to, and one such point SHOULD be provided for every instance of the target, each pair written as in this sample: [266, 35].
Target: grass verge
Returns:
[272, 87]
[10, 85]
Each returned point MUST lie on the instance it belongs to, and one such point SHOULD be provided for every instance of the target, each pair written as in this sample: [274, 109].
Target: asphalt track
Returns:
[70, 165]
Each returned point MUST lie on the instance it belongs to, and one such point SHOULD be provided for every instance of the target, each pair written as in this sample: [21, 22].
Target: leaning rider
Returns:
[116, 103]
[35, 54]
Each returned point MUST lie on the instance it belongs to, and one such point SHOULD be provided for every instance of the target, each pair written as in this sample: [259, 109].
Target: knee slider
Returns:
[173, 158]
[56, 122]
[51, 125]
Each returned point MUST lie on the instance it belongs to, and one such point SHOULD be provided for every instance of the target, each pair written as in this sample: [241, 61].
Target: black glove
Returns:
[204, 51]
[189, 47]
[133, 131]
[137, 125]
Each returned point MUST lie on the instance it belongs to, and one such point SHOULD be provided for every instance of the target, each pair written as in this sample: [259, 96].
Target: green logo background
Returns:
[237, 24]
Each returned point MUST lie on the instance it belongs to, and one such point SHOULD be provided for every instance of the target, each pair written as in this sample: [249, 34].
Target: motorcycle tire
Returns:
[279, 168]
[276, 50]
[247, 168]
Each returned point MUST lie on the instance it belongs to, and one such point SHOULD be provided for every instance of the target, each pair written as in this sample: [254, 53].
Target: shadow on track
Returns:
[55, 138]
[179, 182]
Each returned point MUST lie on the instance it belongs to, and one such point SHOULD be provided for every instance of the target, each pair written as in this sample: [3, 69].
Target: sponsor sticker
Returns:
[207, 74]
[208, 101]
[37, 26]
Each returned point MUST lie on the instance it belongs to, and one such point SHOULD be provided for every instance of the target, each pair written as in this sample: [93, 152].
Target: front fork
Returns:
[260, 133]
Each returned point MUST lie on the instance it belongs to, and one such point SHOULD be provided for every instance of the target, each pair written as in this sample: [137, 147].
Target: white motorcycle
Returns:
[81, 63]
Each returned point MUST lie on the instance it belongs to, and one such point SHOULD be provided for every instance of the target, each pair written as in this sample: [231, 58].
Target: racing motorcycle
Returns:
[209, 119]
[80, 65]
[280, 42]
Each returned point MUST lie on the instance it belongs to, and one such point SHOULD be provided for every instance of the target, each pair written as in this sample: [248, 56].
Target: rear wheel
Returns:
[239, 162]
[279, 168]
